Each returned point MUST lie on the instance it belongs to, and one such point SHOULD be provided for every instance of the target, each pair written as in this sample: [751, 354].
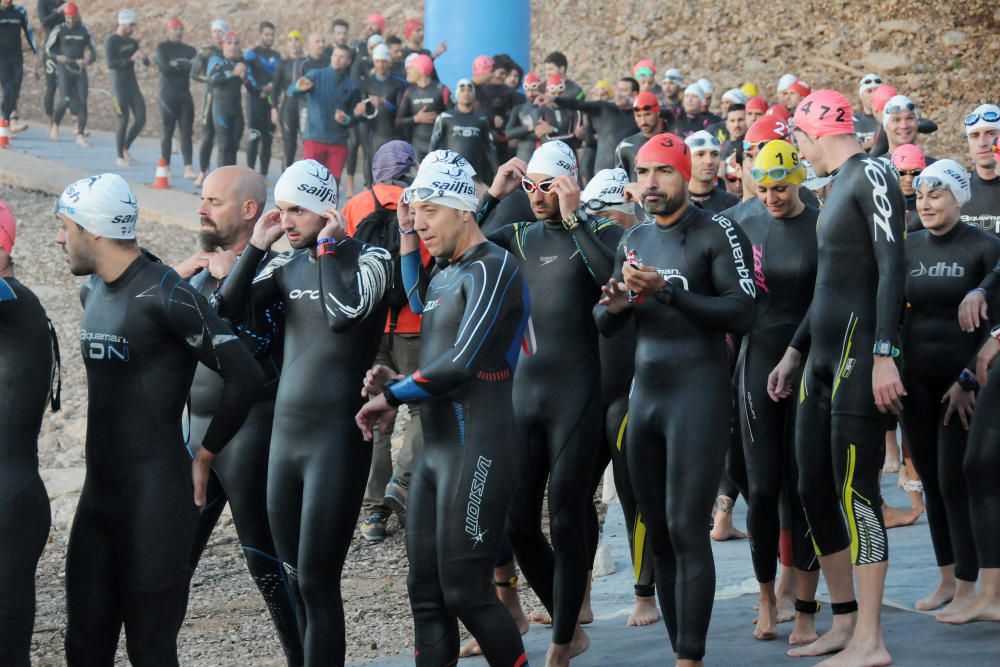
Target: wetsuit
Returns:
[626, 150]
[611, 123]
[679, 409]
[174, 59]
[227, 110]
[496, 100]
[784, 271]
[199, 73]
[520, 128]
[858, 300]
[26, 365]
[141, 338]
[515, 206]
[716, 201]
[290, 110]
[940, 271]
[880, 146]
[434, 97]
[984, 207]
[50, 18]
[239, 478]
[264, 63]
[13, 21]
[557, 405]
[380, 127]
[330, 315]
[125, 89]
[74, 86]
[474, 315]
[468, 133]
[564, 124]
[748, 208]
[865, 126]
[687, 124]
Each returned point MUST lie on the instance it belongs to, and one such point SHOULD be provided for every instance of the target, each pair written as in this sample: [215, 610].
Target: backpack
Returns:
[379, 228]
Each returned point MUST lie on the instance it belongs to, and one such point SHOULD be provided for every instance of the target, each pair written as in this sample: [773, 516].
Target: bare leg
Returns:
[804, 629]
[723, 529]
[866, 648]
[840, 581]
[963, 599]
[986, 606]
[767, 614]
[505, 578]
[891, 453]
[785, 593]
[943, 594]
[559, 654]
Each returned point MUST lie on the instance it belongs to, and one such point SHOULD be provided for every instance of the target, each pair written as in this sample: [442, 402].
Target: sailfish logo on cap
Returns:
[320, 173]
[131, 201]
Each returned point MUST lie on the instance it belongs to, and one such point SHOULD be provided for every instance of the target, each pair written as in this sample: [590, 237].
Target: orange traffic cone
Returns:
[4, 134]
[162, 180]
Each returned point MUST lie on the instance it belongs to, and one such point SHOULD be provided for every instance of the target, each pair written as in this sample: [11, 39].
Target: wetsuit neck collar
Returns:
[470, 253]
[680, 221]
[127, 274]
[949, 235]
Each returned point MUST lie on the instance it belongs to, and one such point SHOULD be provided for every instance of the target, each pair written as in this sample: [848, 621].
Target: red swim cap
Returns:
[482, 65]
[757, 103]
[377, 19]
[71, 9]
[824, 113]
[768, 128]
[881, 97]
[667, 149]
[555, 82]
[531, 79]
[909, 156]
[778, 110]
[174, 24]
[646, 101]
[801, 87]
[409, 25]
[7, 229]
[231, 37]
[423, 64]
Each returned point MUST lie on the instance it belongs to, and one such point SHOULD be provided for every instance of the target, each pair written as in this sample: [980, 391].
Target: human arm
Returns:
[436, 134]
[114, 57]
[26, 28]
[49, 19]
[614, 307]
[415, 276]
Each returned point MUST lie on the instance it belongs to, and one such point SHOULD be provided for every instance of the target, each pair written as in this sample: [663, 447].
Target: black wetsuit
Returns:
[557, 405]
[840, 434]
[626, 151]
[468, 133]
[331, 314]
[716, 201]
[688, 124]
[199, 73]
[50, 18]
[239, 478]
[881, 145]
[174, 59]
[515, 206]
[679, 410]
[434, 97]
[381, 127]
[125, 89]
[474, 315]
[74, 86]
[983, 209]
[611, 123]
[520, 128]
[26, 364]
[290, 109]
[784, 270]
[264, 62]
[865, 126]
[227, 109]
[564, 124]
[141, 338]
[940, 272]
[13, 21]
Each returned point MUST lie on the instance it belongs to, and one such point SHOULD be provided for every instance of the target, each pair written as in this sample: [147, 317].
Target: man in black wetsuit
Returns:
[27, 366]
[228, 75]
[692, 118]
[324, 300]
[67, 45]
[982, 127]
[845, 390]
[524, 117]
[122, 53]
[463, 483]
[50, 13]
[173, 59]
[422, 101]
[612, 121]
[865, 123]
[646, 112]
[199, 73]
[686, 279]
[467, 132]
[143, 332]
[703, 188]
[13, 22]
[566, 256]
[555, 64]
[232, 199]
[264, 62]
[381, 93]
[557, 123]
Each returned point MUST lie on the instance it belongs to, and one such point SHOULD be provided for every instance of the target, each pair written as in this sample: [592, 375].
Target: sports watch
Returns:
[967, 381]
[885, 348]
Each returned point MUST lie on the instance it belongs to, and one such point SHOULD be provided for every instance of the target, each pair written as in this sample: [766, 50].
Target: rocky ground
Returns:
[226, 622]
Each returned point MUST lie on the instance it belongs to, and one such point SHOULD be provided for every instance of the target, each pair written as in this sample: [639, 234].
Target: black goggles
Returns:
[900, 108]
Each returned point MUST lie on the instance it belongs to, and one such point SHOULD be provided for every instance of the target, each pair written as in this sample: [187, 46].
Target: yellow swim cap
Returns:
[778, 162]
[750, 89]
[295, 34]
[606, 86]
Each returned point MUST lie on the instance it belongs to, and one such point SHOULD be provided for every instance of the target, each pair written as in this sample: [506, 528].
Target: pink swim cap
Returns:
[881, 97]
[824, 113]
[7, 230]
[909, 156]
[645, 62]
[482, 65]
[423, 64]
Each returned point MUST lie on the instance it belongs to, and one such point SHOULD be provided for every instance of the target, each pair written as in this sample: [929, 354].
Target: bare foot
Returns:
[559, 655]
[189, 172]
[767, 621]
[128, 156]
[199, 179]
[121, 162]
[54, 132]
[543, 617]
[942, 595]
[804, 630]
[17, 128]
[895, 517]
[836, 639]
[786, 609]
[982, 609]
[891, 464]
[644, 612]
[81, 141]
[723, 529]
[856, 655]
[586, 616]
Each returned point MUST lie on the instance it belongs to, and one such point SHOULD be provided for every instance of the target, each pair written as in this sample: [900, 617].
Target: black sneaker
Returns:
[373, 529]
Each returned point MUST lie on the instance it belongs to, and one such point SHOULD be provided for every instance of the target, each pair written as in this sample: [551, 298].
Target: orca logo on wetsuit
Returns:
[940, 270]
[304, 294]
[746, 282]
[875, 172]
[476, 490]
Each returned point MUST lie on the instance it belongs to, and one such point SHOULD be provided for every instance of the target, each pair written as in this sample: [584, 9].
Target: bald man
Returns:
[232, 200]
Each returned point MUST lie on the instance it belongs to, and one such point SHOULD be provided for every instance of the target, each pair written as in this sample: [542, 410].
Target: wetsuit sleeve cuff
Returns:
[407, 390]
[486, 206]
[390, 396]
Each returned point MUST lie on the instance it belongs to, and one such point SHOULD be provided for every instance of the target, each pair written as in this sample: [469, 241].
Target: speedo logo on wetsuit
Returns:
[746, 282]
[758, 268]
[987, 223]
[100, 346]
[476, 499]
[875, 173]
[940, 270]
[455, 186]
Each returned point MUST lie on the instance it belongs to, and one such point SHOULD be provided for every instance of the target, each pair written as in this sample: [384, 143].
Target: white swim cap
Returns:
[308, 184]
[103, 205]
[553, 158]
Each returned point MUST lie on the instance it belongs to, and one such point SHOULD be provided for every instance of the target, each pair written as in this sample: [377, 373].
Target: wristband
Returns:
[407, 231]
[326, 249]
[995, 333]
[976, 289]
[320, 242]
